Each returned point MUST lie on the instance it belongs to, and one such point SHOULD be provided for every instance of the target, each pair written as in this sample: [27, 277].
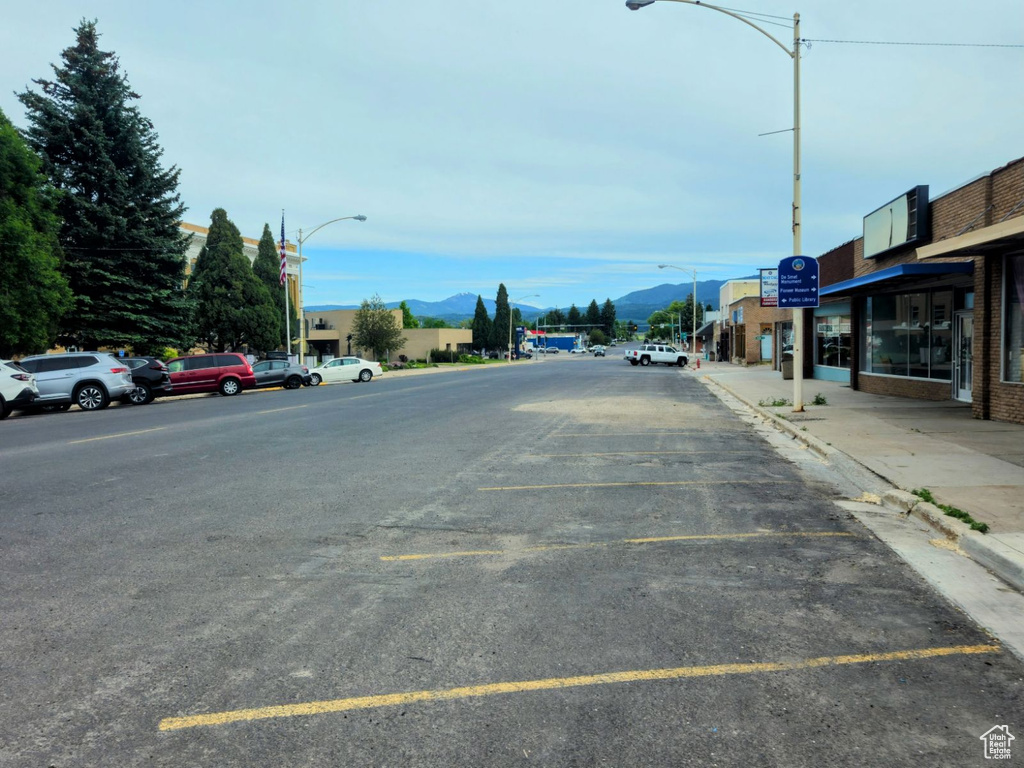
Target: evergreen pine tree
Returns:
[574, 318]
[502, 318]
[33, 292]
[593, 316]
[481, 326]
[233, 308]
[124, 252]
[267, 267]
[608, 318]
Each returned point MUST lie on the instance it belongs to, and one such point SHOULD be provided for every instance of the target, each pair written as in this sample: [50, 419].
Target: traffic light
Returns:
[634, 328]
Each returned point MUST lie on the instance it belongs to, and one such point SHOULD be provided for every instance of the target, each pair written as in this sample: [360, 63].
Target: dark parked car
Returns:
[280, 373]
[225, 372]
[151, 378]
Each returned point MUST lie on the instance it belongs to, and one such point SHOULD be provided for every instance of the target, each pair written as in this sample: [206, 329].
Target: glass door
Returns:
[964, 368]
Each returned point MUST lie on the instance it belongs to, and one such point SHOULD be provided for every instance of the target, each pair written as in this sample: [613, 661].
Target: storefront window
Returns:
[832, 341]
[887, 347]
[942, 336]
[910, 335]
[1013, 324]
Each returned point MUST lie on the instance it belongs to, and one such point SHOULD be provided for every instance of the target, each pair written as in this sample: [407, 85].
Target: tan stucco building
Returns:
[328, 332]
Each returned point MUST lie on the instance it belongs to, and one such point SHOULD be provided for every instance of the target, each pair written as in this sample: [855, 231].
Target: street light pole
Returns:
[302, 308]
[794, 54]
[510, 305]
[693, 272]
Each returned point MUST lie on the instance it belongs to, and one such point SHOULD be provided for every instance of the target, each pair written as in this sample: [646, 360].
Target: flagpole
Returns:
[284, 282]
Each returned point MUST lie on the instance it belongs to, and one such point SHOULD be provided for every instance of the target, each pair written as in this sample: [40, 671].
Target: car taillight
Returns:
[158, 366]
[305, 369]
[119, 370]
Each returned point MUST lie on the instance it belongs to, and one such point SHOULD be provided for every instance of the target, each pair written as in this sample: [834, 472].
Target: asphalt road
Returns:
[567, 563]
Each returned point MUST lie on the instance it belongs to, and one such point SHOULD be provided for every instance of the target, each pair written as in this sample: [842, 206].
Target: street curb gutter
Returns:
[985, 549]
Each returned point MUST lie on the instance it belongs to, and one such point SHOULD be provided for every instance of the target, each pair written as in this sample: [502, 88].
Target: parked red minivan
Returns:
[225, 372]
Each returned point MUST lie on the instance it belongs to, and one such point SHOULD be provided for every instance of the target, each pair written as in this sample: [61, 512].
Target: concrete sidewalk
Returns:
[976, 466]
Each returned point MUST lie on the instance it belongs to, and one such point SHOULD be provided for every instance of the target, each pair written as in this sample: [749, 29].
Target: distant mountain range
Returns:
[638, 305]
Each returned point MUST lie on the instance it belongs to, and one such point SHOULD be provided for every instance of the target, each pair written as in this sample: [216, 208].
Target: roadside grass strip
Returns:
[621, 542]
[555, 683]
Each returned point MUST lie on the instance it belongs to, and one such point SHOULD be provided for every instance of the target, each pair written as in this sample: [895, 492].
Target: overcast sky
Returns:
[564, 148]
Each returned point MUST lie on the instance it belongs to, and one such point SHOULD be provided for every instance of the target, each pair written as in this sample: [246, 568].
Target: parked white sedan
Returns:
[345, 369]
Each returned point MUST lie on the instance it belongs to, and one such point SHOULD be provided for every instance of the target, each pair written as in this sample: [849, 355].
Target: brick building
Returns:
[929, 302]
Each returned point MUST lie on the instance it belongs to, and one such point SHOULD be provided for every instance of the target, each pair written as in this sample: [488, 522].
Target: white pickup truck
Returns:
[646, 354]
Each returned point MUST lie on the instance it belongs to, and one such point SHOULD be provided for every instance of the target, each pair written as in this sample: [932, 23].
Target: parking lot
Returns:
[553, 564]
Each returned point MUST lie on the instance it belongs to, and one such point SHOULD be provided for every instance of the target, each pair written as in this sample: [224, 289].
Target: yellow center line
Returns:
[287, 408]
[592, 545]
[119, 434]
[634, 484]
[555, 683]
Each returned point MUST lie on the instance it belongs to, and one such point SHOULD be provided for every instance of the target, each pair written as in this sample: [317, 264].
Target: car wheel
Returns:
[230, 387]
[91, 397]
[645, 361]
[365, 375]
[634, 362]
[141, 395]
[293, 383]
[682, 362]
[314, 380]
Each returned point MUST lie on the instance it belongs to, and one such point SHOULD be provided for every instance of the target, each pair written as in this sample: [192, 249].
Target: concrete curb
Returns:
[985, 549]
[1002, 560]
[820, 447]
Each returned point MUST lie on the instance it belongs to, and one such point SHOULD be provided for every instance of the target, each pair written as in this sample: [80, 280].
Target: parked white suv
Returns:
[17, 388]
[89, 380]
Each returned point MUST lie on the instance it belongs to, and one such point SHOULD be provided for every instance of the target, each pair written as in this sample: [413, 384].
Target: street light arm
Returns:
[681, 269]
[340, 218]
[749, 23]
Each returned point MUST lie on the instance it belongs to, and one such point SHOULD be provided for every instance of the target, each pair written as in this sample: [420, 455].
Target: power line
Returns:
[902, 42]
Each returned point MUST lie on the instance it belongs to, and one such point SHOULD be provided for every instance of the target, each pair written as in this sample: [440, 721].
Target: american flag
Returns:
[284, 253]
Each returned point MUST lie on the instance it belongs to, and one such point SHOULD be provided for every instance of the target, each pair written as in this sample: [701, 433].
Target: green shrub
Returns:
[443, 355]
[819, 399]
[471, 360]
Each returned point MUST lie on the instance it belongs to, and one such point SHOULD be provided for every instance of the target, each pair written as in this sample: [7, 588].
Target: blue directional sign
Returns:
[798, 282]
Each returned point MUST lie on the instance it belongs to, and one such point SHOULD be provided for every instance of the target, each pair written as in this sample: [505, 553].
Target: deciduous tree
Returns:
[376, 328]
[408, 319]
[34, 294]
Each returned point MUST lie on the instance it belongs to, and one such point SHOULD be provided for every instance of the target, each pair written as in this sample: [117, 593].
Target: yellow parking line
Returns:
[591, 545]
[119, 434]
[629, 453]
[287, 408]
[555, 683]
[634, 484]
[652, 433]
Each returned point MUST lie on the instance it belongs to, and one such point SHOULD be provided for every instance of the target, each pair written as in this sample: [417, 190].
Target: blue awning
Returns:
[902, 273]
